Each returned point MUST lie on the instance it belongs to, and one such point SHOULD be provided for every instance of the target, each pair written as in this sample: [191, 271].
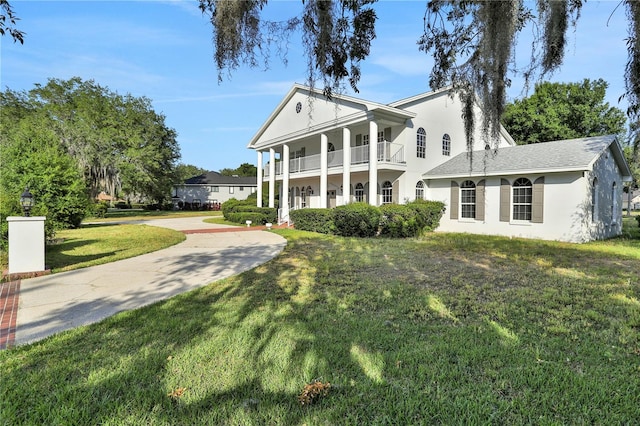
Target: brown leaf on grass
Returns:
[176, 393]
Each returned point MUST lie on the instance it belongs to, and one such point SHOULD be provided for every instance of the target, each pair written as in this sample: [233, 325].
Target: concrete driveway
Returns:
[57, 302]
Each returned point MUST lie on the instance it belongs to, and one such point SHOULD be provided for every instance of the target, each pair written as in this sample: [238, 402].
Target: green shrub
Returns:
[398, 221]
[428, 213]
[356, 220]
[314, 220]
[238, 211]
[242, 217]
[100, 209]
[638, 219]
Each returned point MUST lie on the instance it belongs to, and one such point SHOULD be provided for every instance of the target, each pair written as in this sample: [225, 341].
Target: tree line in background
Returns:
[69, 140]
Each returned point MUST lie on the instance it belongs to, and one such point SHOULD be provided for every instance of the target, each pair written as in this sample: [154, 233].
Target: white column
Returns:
[285, 199]
[272, 178]
[346, 166]
[324, 143]
[373, 163]
[259, 187]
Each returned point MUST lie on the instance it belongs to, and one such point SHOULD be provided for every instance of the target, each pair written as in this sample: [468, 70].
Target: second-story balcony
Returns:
[388, 153]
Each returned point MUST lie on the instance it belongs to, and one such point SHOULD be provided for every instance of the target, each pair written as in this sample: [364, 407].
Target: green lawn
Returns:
[446, 329]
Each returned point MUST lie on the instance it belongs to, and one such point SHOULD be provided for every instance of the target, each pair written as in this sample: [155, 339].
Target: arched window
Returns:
[522, 199]
[421, 143]
[387, 193]
[420, 190]
[594, 200]
[468, 199]
[359, 193]
[331, 153]
[446, 145]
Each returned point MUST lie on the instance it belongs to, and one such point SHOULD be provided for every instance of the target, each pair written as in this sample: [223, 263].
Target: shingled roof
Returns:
[556, 156]
[215, 178]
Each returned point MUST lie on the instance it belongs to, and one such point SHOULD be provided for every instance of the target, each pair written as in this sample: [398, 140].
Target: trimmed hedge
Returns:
[314, 220]
[356, 220]
[399, 221]
[428, 213]
[237, 211]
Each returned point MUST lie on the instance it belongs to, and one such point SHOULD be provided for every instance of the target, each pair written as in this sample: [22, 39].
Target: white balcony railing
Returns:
[390, 153]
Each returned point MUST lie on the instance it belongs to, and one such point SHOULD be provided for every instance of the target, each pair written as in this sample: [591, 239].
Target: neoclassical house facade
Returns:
[321, 153]
[330, 153]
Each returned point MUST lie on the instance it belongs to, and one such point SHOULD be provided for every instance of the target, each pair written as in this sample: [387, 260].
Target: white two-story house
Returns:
[332, 152]
[325, 153]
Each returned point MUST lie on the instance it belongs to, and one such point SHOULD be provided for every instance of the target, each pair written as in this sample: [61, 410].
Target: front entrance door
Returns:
[332, 198]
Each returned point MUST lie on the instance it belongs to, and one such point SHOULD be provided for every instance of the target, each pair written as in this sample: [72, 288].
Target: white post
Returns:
[284, 200]
[346, 166]
[272, 178]
[373, 163]
[259, 177]
[26, 244]
[324, 143]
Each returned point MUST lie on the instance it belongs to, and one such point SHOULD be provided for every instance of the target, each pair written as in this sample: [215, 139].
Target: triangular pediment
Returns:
[306, 111]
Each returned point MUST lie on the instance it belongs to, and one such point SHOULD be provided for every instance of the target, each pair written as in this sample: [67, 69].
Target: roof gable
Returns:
[215, 178]
[557, 156]
[307, 111]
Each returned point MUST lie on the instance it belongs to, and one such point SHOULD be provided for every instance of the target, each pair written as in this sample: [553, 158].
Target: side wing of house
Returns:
[562, 190]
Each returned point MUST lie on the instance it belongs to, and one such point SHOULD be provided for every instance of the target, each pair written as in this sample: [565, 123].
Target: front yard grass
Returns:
[445, 329]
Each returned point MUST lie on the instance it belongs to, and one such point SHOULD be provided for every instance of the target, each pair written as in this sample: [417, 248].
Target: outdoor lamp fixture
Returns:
[26, 201]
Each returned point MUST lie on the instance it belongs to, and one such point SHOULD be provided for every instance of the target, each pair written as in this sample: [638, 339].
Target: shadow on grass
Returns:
[419, 332]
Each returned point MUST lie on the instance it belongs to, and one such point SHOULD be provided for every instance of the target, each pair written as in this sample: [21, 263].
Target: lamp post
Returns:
[26, 201]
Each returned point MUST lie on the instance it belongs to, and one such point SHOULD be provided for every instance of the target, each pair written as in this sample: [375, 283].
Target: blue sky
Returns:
[163, 50]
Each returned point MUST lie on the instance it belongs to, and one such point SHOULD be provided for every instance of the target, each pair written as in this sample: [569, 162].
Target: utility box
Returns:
[26, 244]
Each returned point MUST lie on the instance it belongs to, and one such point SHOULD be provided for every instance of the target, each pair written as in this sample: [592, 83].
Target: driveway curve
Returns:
[58, 302]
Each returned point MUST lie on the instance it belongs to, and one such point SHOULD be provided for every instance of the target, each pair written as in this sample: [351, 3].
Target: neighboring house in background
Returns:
[322, 153]
[211, 189]
[635, 200]
[568, 190]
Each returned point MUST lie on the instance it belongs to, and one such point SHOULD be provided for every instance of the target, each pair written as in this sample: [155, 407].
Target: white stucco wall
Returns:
[565, 209]
[188, 193]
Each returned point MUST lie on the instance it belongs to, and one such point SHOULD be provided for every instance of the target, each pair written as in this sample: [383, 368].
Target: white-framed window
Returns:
[303, 198]
[242, 188]
[468, 199]
[421, 143]
[231, 190]
[365, 139]
[215, 189]
[381, 136]
[522, 199]
[387, 193]
[420, 190]
[446, 144]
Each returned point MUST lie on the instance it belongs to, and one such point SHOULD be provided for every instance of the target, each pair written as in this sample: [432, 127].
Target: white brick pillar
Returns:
[26, 244]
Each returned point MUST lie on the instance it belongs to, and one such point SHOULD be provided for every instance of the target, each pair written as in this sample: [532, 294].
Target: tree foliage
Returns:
[337, 36]
[186, 171]
[563, 111]
[8, 21]
[119, 143]
[245, 169]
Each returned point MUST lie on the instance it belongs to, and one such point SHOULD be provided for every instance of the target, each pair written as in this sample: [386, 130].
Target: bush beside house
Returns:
[364, 220]
[239, 211]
